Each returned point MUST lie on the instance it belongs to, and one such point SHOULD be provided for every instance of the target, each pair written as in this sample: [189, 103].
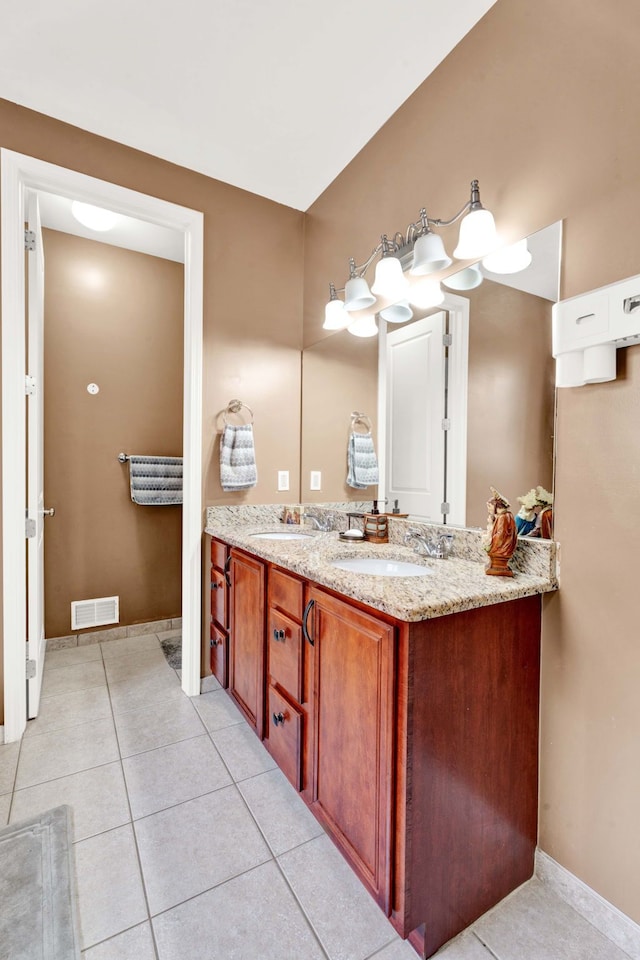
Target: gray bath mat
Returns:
[172, 649]
[37, 909]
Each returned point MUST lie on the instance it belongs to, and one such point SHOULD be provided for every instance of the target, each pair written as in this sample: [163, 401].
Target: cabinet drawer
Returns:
[285, 736]
[286, 593]
[218, 598]
[218, 646]
[219, 553]
[285, 653]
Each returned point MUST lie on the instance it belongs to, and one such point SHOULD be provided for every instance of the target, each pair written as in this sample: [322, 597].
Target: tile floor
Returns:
[191, 845]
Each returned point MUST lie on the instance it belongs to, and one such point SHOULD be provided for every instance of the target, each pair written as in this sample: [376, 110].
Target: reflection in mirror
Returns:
[509, 405]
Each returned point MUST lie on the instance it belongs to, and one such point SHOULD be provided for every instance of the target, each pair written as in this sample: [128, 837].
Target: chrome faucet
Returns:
[438, 546]
[324, 523]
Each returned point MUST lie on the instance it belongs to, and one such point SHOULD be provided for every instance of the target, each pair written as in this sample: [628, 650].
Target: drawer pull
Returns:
[278, 634]
[278, 718]
[305, 620]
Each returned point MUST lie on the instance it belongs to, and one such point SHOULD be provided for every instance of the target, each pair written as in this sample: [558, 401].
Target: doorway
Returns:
[422, 394]
[21, 174]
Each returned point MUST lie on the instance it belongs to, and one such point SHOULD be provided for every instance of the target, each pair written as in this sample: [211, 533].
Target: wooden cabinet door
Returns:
[247, 636]
[352, 739]
[218, 654]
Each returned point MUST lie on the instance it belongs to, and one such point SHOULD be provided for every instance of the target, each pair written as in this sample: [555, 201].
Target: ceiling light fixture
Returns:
[95, 218]
[420, 252]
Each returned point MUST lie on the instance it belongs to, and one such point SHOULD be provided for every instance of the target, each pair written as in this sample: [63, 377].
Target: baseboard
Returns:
[601, 914]
[1, 734]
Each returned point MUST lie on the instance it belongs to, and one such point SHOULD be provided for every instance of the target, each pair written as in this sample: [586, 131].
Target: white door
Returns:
[415, 409]
[35, 457]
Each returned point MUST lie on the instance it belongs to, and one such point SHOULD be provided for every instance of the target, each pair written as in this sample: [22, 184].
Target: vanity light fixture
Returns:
[420, 252]
[510, 259]
[363, 327]
[95, 218]
[335, 315]
[467, 279]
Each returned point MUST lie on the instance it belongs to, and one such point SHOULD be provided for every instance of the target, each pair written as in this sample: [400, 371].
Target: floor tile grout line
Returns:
[133, 829]
[379, 950]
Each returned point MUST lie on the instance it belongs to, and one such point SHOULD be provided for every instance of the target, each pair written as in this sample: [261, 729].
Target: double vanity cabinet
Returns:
[414, 743]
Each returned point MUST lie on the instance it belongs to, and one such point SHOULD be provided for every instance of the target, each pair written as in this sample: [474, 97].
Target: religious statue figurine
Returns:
[502, 536]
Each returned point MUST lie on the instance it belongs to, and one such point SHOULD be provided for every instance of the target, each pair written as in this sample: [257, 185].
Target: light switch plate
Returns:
[315, 481]
[283, 479]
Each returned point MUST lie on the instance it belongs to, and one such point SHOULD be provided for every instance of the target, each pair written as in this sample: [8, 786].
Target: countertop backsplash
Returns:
[534, 557]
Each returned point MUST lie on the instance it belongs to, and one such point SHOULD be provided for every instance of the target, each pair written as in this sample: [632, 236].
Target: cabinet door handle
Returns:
[278, 718]
[227, 567]
[278, 634]
[215, 585]
[213, 643]
[305, 621]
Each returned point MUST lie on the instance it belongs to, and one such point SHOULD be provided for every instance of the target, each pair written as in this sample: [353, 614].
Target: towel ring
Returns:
[235, 406]
[360, 418]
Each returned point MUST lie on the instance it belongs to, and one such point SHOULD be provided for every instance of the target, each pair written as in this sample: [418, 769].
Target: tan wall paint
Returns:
[511, 396]
[539, 102]
[113, 317]
[339, 375]
[253, 251]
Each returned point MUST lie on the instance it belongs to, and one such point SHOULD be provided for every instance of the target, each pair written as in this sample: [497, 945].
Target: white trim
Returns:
[17, 173]
[604, 916]
[458, 310]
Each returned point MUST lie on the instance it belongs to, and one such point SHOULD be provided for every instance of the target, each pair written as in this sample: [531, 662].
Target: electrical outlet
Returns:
[283, 479]
[315, 482]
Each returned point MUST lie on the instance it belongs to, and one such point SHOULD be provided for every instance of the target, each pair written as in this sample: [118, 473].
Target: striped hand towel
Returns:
[361, 461]
[238, 470]
[156, 481]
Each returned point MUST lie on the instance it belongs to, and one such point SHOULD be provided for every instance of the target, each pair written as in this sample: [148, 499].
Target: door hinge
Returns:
[445, 508]
[29, 385]
[29, 528]
[446, 424]
[31, 669]
[29, 240]
[447, 339]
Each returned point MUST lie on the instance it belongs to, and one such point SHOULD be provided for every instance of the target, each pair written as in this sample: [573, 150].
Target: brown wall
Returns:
[253, 251]
[339, 376]
[511, 396]
[115, 318]
[539, 102]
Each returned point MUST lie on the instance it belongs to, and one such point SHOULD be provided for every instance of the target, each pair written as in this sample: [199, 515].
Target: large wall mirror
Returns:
[509, 393]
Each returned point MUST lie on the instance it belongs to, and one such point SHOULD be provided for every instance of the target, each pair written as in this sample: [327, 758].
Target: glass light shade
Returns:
[357, 295]
[335, 316]
[95, 218]
[426, 293]
[477, 235]
[466, 279]
[511, 259]
[390, 282]
[363, 327]
[398, 312]
[429, 255]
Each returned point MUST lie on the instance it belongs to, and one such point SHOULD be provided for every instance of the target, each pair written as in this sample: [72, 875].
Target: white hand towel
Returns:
[361, 461]
[238, 469]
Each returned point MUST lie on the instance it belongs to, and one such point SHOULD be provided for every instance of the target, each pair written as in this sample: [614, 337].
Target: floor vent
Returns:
[94, 613]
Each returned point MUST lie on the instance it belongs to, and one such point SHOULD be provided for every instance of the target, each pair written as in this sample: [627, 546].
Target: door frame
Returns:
[458, 310]
[17, 174]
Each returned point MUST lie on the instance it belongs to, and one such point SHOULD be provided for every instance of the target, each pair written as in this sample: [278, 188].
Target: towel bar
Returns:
[123, 457]
[235, 406]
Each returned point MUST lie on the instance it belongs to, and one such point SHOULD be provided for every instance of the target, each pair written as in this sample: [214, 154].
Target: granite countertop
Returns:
[454, 584]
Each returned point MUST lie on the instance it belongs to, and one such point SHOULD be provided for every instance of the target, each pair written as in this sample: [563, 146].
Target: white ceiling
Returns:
[275, 96]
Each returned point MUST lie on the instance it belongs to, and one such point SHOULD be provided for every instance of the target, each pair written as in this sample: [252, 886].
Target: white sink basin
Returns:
[379, 567]
[281, 536]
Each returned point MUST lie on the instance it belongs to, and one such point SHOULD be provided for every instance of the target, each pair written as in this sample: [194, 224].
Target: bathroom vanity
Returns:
[409, 726]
